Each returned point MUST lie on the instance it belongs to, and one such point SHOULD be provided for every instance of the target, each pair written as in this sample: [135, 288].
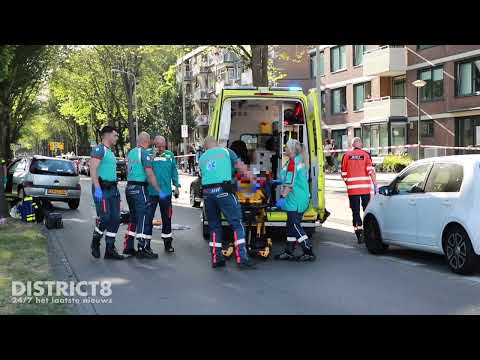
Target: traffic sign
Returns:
[54, 145]
[184, 131]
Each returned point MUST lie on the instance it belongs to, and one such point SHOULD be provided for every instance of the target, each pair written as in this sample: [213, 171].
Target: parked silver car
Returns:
[45, 178]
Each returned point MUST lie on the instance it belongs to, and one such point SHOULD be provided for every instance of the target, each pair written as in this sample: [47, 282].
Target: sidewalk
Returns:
[381, 177]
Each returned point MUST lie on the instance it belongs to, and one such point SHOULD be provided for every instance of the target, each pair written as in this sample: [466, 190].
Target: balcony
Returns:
[381, 109]
[385, 61]
[200, 94]
[187, 76]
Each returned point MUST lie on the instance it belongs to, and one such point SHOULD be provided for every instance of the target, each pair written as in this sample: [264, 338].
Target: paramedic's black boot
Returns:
[111, 253]
[284, 256]
[287, 254]
[96, 246]
[129, 252]
[146, 253]
[246, 264]
[149, 250]
[308, 254]
[218, 264]
[359, 234]
[167, 243]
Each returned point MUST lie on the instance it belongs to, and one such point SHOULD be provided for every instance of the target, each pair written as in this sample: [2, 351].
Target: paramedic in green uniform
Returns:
[295, 199]
[139, 171]
[217, 166]
[103, 170]
[165, 170]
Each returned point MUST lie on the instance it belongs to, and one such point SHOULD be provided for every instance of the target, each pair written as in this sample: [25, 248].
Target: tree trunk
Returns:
[259, 65]
[131, 126]
[3, 156]
[3, 201]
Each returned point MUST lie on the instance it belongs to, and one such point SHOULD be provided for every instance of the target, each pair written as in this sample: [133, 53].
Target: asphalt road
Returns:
[345, 279]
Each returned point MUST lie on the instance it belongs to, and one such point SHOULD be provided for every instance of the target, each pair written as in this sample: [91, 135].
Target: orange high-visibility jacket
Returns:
[357, 167]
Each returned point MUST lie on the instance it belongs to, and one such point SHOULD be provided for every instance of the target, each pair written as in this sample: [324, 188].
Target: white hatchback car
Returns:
[433, 205]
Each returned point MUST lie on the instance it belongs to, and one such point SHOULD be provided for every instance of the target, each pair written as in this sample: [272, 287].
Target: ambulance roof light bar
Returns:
[264, 89]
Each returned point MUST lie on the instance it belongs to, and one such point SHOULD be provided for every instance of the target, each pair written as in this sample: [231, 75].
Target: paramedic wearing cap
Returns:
[217, 166]
[359, 174]
[139, 171]
[295, 199]
[103, 171]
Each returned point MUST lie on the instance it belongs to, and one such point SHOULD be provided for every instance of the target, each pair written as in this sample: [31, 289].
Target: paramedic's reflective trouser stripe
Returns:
[296, 233]
[137, 204]
[216, 202]
[166, 213]
[108, 214]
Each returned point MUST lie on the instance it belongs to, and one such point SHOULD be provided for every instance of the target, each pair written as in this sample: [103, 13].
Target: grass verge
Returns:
[24, 257]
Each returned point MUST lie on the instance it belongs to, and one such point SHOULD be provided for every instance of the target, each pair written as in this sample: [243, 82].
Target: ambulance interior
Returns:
[257, 131]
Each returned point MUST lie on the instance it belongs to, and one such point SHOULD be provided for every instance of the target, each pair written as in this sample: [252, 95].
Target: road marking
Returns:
[405, 262]
[338, 244]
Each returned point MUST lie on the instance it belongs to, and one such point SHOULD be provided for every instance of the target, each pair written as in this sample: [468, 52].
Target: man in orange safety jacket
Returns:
[359, 174]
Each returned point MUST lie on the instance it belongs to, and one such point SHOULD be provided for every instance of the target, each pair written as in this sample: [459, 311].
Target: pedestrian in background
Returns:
[328, 154]
[295, 199]
[359, 174]
[166, 174]
[103, 170]
[191, 160]
[334, 154]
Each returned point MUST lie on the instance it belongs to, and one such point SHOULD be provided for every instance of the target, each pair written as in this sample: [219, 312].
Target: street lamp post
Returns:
[134, 97]
[418, 84]
[185, 140]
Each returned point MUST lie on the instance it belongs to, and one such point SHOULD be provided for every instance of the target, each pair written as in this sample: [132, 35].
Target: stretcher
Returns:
[254, 203]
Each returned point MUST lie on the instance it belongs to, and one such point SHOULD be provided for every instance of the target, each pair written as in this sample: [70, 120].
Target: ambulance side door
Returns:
[315, 145]
[214, 121]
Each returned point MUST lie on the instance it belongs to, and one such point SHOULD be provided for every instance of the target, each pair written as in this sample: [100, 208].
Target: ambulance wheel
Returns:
[74, 204]
[373, 237]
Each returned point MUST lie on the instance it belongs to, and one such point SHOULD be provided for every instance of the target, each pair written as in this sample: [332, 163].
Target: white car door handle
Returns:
[412, 202]
[446, 203]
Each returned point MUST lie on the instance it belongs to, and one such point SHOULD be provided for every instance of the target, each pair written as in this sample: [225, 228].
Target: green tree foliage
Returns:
[25, 71]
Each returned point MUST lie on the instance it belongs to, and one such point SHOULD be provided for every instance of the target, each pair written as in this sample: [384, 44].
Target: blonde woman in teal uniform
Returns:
[295, 199]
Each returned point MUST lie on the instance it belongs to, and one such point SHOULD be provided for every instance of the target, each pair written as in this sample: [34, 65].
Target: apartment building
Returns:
[450, 101]
[367, 91]
[208, 69]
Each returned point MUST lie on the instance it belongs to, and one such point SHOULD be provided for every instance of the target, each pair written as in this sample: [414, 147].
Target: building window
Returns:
[357, 132]
[204, 108]
[338, 58]
[313, 65]
[358, 51]
[421, 47]
[360, 93]
[375, 136]
[322, 102]
[339, 100]
[426, 128]
[398, 87]
[433, 90]
[468, 78]
[398, 135]
[341, 138]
